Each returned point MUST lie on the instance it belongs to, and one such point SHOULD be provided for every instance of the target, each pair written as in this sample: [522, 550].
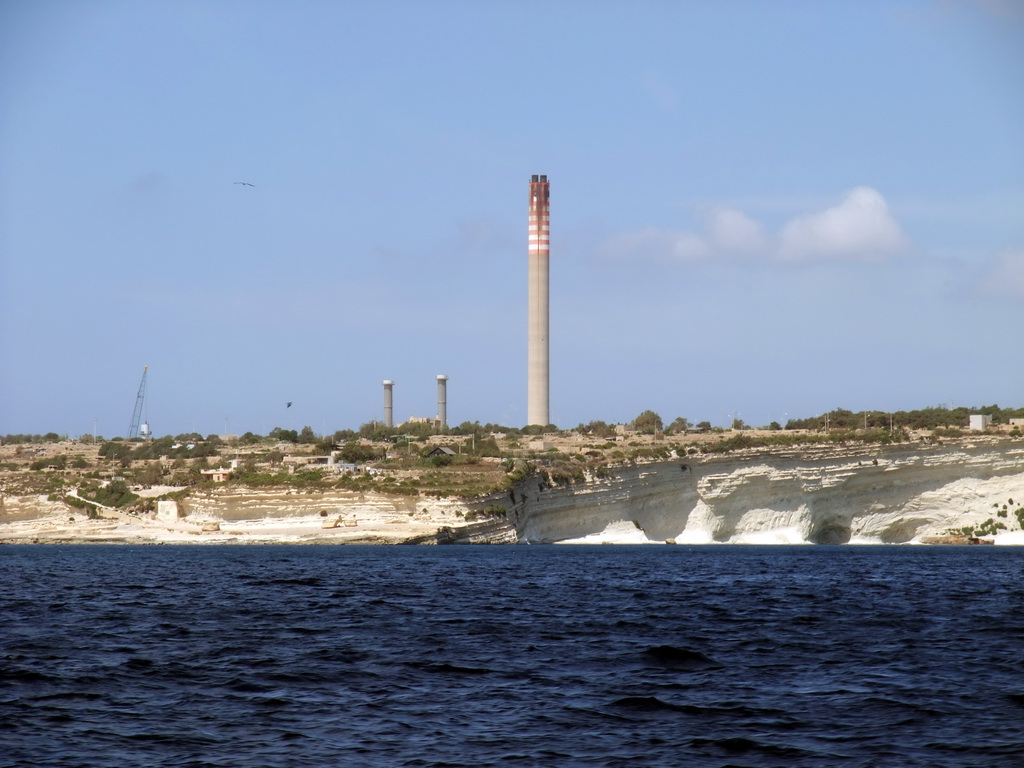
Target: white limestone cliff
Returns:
[832, 495]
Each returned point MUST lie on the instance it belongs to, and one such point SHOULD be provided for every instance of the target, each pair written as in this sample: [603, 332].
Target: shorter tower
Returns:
[389, 410]
[442, 402]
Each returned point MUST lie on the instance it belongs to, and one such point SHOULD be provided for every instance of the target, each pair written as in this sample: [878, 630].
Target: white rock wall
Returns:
[828, 495]
[234, 504]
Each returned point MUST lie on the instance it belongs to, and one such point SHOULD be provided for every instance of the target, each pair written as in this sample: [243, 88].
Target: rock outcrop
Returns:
[830, 495]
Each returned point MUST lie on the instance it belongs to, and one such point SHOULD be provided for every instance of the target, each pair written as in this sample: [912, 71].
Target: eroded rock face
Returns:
[13, 508]
[232, 504]
[817, 495]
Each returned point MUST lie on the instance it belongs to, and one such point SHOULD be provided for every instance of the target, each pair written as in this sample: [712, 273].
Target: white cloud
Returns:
[733, 231]
[656, 243]
[859, 227]
[1006, 278]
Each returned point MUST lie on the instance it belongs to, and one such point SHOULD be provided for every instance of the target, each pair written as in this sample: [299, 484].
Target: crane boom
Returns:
[133, 429]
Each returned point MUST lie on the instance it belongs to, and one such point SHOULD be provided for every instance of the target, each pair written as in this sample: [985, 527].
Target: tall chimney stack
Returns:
[442, 402]
[389, 411]
[539, 253]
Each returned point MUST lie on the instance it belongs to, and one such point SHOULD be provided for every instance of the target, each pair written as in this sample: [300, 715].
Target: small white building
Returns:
[167, 511]
[980, 422]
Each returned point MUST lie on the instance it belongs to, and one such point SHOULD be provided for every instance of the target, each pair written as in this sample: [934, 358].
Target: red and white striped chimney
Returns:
[538, 375]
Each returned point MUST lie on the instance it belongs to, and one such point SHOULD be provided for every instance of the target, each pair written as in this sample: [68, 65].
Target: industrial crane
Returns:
[133, 430]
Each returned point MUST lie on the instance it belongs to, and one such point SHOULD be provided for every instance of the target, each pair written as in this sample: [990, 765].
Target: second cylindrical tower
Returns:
[389, 410]
[539, 253]
[442, 402]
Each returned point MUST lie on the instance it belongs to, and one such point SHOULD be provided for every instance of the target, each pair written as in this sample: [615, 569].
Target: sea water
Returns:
[534, 656]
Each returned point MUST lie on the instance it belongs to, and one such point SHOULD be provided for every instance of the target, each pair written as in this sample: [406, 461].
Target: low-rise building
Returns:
[980, 422]
[441, 450]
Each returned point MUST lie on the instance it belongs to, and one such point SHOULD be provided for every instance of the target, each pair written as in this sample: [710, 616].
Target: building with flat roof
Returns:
[980, 422]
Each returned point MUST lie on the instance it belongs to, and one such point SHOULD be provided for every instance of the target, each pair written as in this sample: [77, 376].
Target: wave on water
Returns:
[617, 532]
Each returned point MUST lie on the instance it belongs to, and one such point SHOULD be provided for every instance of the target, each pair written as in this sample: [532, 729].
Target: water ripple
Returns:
[493, 656]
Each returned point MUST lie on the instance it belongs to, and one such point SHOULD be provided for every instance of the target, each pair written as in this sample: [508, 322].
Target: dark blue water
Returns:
[537, 656]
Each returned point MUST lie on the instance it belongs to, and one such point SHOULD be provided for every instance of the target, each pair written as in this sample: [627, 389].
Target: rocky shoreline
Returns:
[860, 494]
[228, 517]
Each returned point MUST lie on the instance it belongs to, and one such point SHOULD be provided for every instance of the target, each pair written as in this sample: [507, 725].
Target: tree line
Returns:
[647, 422]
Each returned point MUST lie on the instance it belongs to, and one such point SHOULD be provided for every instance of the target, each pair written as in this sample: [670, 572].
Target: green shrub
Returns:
[115, 451]
[354, 453]
[51, 462]
[113, 494]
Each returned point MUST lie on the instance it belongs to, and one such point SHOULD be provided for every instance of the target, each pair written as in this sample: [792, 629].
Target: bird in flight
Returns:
[246, 183]
[288, 405]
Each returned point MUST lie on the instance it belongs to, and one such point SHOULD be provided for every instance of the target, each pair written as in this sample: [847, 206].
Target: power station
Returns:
[538, 375]
[538, 353]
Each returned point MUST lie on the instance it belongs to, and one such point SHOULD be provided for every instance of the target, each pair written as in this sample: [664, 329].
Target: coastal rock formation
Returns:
[807, 494]
[232, 503]
[827, 495]
[233, 514]
[355, 517]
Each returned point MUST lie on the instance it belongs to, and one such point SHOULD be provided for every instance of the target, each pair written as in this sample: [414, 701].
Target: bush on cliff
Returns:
[565, 473]
[518, 470]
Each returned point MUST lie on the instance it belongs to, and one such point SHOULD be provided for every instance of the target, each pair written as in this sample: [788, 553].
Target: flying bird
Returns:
[288, 405]
[246, 183]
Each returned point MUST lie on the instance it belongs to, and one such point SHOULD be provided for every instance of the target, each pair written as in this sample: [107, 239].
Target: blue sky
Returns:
[763, 209]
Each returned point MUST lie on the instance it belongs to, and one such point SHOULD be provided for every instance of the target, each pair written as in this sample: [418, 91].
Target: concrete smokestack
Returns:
[389, 410]
[539, 252]
[442, 401]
